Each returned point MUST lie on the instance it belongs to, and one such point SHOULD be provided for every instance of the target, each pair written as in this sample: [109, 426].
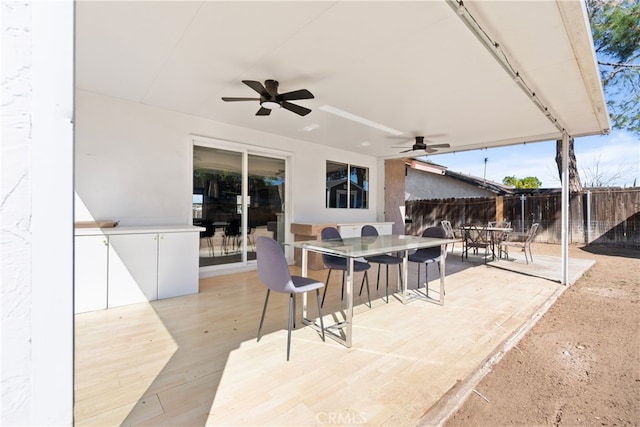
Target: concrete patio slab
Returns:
[544, 266]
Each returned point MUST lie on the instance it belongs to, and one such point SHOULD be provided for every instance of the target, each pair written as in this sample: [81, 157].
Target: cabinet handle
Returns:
[105, 243]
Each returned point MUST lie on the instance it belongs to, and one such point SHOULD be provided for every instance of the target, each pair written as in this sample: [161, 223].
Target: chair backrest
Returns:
[434, 252]
[273, 269]
[369, 231]
[476, 235]
[438, 232]
[532, 233]
[448, 229]
[210, 230]
[233, 228]
[331, 261]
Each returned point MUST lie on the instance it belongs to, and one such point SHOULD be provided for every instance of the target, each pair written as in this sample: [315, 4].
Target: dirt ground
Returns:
[580, 363]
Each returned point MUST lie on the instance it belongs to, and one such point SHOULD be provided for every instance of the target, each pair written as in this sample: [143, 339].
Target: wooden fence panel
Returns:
[602, 216]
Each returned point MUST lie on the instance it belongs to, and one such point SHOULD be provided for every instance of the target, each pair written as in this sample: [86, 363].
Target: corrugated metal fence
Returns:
[604, 216]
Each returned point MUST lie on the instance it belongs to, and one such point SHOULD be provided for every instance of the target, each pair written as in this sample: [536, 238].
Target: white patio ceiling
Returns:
[411, 66]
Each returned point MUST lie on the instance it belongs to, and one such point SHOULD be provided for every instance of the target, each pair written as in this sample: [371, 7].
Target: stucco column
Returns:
[394, 193]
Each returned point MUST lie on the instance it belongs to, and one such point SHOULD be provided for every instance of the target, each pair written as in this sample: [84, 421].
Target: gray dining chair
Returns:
[339, 263]
[386, 259]
[274, 273]
[428, 256]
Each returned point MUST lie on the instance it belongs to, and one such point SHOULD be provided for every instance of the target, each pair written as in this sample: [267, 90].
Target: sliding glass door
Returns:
[237, 196]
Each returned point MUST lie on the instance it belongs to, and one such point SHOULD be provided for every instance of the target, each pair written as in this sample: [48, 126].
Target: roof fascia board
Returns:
[576, 22]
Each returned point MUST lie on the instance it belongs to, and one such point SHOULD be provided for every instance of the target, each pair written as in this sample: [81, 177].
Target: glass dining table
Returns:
[356, 247]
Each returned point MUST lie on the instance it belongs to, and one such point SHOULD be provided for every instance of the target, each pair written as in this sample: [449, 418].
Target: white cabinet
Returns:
[177, 264]
[127, 265]
[90, 272]
[355, 229]
[133, 268]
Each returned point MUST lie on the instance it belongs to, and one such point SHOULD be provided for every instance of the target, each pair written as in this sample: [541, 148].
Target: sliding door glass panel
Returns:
[266, 200]
[217, 204]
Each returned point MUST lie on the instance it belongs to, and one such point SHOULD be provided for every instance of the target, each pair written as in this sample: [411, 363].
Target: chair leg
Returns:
[291, 305]
[320, 312]
[378, 280]
[366, 278]
[326, 286]
[387, 285]
[293, 296]
[426, 279]
[264, 310]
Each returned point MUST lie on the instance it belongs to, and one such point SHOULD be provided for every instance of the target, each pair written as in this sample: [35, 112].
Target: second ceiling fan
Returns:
[419, 144]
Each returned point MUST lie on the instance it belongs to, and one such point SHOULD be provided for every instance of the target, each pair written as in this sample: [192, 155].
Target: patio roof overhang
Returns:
[477, 75]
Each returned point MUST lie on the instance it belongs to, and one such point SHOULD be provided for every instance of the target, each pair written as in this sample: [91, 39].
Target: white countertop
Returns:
[138, 230]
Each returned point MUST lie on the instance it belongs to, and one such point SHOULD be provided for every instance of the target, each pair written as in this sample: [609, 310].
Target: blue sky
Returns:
[602, 155]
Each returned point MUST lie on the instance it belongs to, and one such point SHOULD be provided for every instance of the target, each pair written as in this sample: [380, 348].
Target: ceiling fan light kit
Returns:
[270, 105]
[270, 99]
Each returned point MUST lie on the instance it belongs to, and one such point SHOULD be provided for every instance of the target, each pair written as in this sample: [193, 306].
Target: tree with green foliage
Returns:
[615, 26]
[529, 182]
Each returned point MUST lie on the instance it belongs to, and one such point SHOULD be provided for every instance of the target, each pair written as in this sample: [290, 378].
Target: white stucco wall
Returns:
[133, 165]
[36, 342]
[421, 185]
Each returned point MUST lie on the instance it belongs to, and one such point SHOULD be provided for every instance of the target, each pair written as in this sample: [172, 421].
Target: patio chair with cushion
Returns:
[524, 244]
[273, 271]
[386, 259]
[474, 238]
[427, 256]
[338, 263]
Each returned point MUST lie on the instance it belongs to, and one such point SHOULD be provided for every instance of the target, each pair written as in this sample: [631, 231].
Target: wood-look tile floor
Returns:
[194, 360]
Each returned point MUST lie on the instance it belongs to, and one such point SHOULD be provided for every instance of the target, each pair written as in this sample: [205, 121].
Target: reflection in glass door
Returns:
[219, 205]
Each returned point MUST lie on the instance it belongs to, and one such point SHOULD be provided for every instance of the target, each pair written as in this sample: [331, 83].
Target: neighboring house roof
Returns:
[446, 183]
[499, 189]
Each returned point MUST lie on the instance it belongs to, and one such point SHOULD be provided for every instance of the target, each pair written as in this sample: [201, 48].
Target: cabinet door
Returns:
[177, 264]
[384, 229]
[133, 268]
[90, 271]
[351, 230]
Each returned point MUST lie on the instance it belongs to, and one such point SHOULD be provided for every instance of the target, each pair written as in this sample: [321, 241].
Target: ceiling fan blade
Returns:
[438, 145]
[406, 151]
[430, 150]
[295, 108]
[296, 94]
[226, 98]
[257, 86]
[263, 112]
